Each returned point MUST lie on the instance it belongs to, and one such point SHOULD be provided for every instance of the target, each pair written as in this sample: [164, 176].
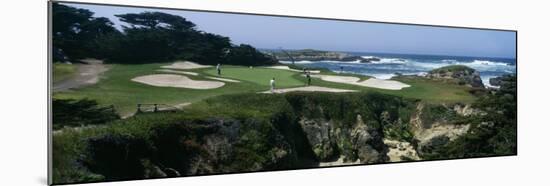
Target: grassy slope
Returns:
[63, 71]
[116, 87]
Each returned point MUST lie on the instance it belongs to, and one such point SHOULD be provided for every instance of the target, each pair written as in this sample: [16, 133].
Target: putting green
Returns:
[259, 75]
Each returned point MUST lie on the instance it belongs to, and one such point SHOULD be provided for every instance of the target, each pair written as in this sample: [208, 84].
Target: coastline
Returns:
[392, 65]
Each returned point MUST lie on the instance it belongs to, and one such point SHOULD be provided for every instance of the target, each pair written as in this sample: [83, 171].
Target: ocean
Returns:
[409, 64]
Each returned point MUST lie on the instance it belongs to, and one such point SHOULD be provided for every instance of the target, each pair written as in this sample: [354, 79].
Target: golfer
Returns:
[308, 76]
[272, 84]
[219, 69]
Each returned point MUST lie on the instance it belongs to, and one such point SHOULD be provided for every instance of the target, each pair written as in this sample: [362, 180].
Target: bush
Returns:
[74, 113]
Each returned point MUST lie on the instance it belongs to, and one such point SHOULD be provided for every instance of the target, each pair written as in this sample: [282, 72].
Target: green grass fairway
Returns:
[434, 91]
[259, 76]
[62, 71]
[116, 88]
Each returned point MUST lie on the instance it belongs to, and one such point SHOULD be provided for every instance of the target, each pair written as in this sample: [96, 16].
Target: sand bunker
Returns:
[309, 89]
[372, 82]
[178, 81]
[185, 65]
[338, 79]
[179, 72]
[282, 67]
[384, 84]
[223, 79]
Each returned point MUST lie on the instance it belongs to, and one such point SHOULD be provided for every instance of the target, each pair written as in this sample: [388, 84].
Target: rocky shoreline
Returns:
[318, 55]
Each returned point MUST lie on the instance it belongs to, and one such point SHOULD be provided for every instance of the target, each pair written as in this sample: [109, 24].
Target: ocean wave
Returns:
[450, 60]
[490, 63]
[333, 61]
[390, 61]
[297, 62]
[486, 81]
[368, 57]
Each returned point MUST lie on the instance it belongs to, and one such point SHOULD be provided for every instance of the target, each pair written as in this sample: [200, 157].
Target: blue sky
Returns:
[296, 33]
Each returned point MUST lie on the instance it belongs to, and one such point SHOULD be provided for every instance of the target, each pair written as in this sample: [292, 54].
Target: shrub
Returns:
[73, 113]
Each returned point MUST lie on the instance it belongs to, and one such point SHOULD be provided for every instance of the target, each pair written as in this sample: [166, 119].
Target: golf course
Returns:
[149, 93]
[115, 86]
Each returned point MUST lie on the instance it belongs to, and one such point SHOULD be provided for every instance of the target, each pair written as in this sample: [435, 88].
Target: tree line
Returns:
[147, 37]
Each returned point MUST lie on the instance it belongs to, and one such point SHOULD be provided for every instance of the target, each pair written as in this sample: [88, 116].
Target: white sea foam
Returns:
[332, 61]
[390, 61]
[368, 57]
[449, 60]
[489, 63]
[296, 62]
[485, 80]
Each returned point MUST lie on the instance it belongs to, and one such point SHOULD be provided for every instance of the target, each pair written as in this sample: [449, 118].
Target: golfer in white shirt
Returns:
[272, 83]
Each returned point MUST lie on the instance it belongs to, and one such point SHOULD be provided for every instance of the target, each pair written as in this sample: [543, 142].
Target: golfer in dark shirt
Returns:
[308, 76]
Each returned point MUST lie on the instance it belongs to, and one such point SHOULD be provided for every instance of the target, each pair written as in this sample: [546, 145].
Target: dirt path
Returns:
[87, 74]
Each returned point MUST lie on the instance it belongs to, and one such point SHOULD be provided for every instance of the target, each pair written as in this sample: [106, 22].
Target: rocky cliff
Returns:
[460, 74]
[307, 130]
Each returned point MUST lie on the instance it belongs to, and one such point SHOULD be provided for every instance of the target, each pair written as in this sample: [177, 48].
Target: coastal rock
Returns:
[499, 81]
[329, 141]
[318, 55]
[400, 151]
[359, 58]
[431, 127]
[318, 133]
[151, 170]
[461, 74]
[464, 110]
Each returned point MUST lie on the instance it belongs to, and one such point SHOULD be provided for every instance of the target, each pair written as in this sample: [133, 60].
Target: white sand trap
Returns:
[223, 79]
[309, 89]
[178, 81]
[372, 82]
[338, 79]
[179, 72]
[185, 65]
[282, 67]
[383, 84]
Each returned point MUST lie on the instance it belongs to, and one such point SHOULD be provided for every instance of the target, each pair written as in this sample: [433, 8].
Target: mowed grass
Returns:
[116, 88]
[62, 71]
[434, 91]
[259, 76]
